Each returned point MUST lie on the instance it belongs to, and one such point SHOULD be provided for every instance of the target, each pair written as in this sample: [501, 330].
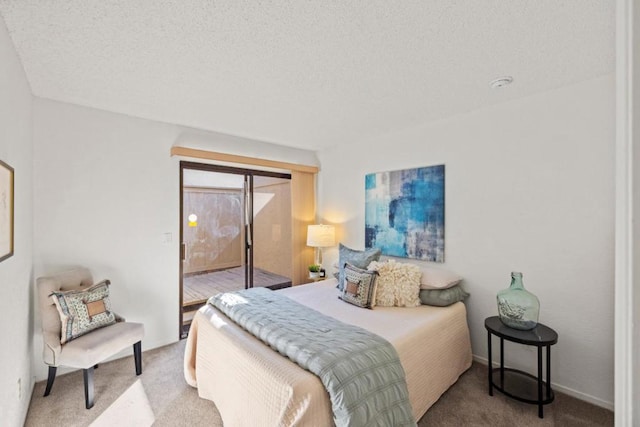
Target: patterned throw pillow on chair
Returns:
[359, 286]
[83, 310]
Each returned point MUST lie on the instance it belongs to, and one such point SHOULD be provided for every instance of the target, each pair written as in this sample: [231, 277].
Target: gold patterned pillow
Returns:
[398, 284]
[82, 311]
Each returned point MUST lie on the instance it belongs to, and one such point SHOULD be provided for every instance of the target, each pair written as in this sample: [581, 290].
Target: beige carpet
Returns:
[160, 397]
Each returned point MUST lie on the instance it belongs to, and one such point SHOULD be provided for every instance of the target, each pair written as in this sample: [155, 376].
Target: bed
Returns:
[253, 385]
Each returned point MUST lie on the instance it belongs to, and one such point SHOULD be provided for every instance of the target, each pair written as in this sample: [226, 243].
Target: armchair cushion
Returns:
[83, 310]
[93, 348]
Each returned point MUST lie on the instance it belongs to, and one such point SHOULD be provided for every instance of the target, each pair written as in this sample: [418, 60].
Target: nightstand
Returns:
[316, 278]
[514, 383]
[279, 286]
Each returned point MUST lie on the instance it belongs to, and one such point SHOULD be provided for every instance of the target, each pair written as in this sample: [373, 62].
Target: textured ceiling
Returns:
[309, 74]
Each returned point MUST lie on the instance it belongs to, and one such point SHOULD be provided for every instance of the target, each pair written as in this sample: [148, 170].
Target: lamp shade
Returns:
[320, 236]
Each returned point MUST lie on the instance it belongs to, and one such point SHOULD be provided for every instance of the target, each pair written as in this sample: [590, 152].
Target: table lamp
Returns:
[320, 236]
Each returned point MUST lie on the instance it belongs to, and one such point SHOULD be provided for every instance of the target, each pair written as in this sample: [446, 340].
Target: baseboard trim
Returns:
[562, 389]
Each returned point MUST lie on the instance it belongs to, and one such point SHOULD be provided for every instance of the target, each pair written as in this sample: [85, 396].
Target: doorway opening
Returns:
[235, 233]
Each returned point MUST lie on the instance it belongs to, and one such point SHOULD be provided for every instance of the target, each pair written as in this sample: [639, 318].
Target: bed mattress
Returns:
[253, 385]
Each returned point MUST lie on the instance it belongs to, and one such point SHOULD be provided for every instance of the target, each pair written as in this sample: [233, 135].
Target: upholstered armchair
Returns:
[90, 348]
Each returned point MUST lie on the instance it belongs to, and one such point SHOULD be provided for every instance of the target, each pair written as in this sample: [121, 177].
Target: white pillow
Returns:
[433, 278]
[398, 284]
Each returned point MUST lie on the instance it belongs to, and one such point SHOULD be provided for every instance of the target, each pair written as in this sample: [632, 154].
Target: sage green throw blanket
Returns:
[360, 370]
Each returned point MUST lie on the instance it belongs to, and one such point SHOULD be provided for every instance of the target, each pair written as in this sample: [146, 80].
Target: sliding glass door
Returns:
[235, 233]
[271, 232]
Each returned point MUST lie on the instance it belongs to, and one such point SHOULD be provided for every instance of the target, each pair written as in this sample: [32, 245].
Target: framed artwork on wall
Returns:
[6, 211]
[404, 213]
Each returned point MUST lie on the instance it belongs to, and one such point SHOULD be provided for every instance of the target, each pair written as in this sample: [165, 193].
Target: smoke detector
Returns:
[501, 82]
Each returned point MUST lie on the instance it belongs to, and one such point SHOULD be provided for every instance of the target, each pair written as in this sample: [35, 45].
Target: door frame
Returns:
[627, 313]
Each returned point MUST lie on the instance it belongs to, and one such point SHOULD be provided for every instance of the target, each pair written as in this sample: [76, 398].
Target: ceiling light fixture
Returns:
[501, 82]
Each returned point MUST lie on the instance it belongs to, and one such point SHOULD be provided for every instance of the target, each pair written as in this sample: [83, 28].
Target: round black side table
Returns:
[514, 383]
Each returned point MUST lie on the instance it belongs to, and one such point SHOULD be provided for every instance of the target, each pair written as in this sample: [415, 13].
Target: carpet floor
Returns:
[160, 397]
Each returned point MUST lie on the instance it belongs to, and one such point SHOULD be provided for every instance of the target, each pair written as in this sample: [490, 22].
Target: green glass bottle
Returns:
[517, 307]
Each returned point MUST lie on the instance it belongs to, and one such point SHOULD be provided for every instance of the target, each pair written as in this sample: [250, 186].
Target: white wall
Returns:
[106, 192]
[530, 188]
[16, 305]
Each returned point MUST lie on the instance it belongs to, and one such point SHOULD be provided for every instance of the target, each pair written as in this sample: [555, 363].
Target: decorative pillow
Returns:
[359, 286]
[360, 259]
[442, 297]
[433, 278]
[82, 311]
[398, 284]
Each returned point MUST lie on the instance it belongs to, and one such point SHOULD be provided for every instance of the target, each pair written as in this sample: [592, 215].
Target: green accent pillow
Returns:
[359, 286]
[442, 297]
[83, 310]
[360, 259]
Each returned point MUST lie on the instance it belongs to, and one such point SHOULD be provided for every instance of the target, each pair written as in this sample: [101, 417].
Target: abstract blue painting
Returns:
[404, 213]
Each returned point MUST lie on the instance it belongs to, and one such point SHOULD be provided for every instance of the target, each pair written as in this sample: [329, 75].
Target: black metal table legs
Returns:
[539, 382]
[490, 366]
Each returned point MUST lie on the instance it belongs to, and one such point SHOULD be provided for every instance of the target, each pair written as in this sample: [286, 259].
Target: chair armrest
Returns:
[52, 348]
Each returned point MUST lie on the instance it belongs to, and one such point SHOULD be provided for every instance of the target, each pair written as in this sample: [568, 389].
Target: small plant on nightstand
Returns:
[314, 270]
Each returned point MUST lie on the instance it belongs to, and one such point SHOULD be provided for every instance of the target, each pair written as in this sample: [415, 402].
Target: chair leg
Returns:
[50, 379]
[137, 356]
[88, 387]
